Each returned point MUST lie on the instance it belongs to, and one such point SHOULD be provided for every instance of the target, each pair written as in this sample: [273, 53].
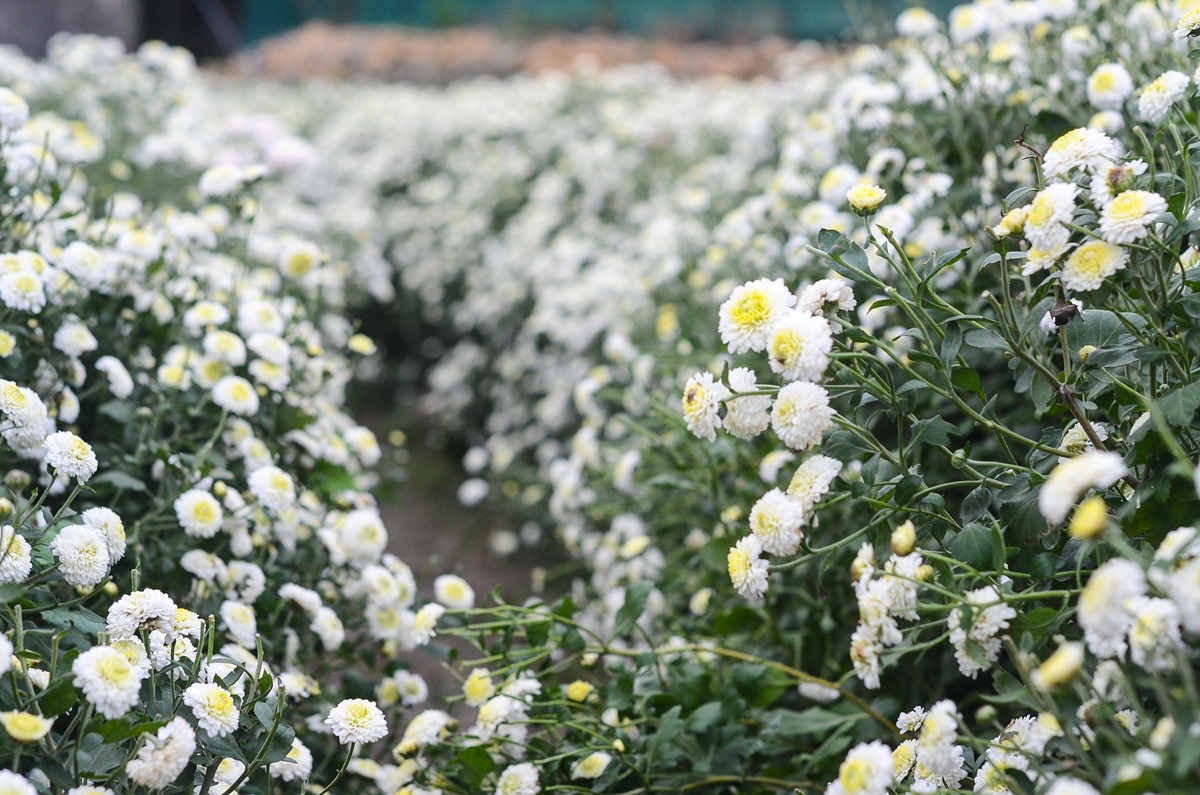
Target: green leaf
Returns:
[58, 698]
[220, 746]
[118, 480]
[635, 602]
[975, 505]
[985, 339]
[843, 445]
[280, 745]
[967, 379]
[669, 727]
[265, 713]
[973, 546]
[845, 253]
[1101, 329]
[951, 344]
[704, 718]
[814, 720]
[933, 431]
[114, 731]
[1179, 405]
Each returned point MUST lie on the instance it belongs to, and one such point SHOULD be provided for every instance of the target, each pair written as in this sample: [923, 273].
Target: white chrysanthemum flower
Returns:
[162, 758]
[120, 383]
[199, 513]
[935, 743]
[984, 637]
[70, 455]
[911, 721]
[825, 292]
[1071, 786]
[1076, 441]
[864, 656]
[1111, 179]
[1071, 479]
[1188, 25]
[1051, 209]
[329, 628]
[164, 651]
[917, 23]
[1155, 640]
[801, 415]
[702, 405]
[213, 707]
[454, 592]
[308, 600]
[90, 789]
[362, 536]
[296, 766]
[799, 345]
[236, 395]
[746, 417]
[225, 346]
[776, 520]
[747, 570]
[812, 481]
[1091, 264]
[519, 779]
[108, 680]
[239, 620]
[273, 488]
[864, 199]
[426, 728]
[478, 687]
[74, 339]
[16, 560]
[866, 770]
[82, 553]
[1157, 97]
[1129, 216]
[749, 315]
[1104, 606]
[14, 112]
[591, 766]
[110, 525]
[13, 783]
[147, 609]
[1109, 86]
[22, 290]
[1080, 148]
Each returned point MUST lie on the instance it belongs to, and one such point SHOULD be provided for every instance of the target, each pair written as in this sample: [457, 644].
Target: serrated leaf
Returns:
[975, 505]
[933, 431]
[635, 603]
[973, 546]
[280, 745]
[1179, 405]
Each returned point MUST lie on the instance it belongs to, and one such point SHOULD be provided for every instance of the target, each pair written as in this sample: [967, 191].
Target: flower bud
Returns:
[1059, 668]
[1090, 519]
[16, 479]
[6, 508]
[1086, 351]
[959, 459]
[985, 714]
[924, 573]
[904, 538]
[859, 568]
[865, 199]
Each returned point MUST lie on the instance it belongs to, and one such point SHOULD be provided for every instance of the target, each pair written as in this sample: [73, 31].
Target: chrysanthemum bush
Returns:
[196, 592]
[889, 483]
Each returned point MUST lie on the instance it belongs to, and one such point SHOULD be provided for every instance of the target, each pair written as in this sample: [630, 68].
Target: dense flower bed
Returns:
[864, 401]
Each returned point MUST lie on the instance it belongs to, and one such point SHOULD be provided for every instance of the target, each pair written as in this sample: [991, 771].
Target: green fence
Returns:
[719, 19]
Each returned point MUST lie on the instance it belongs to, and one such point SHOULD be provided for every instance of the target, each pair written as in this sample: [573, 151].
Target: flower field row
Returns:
[864, 401]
